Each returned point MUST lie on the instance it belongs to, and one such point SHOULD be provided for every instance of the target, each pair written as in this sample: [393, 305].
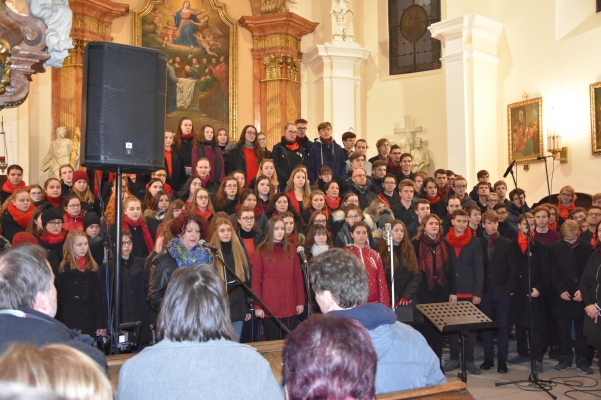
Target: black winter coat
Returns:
[499, 271]
[539, 267]
[469, 268]
[567, 267]
[286, 160]
[590, 287]
[439, 294]
[10, 227]
[177, 177]
[79, 304]
[406, 285]
[185, 152]
[163, 266]
[54, 253]
[239, 305]
[366, 197]
[236, 160]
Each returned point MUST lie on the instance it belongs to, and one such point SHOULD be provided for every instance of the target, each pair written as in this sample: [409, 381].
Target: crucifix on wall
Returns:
[407, 130]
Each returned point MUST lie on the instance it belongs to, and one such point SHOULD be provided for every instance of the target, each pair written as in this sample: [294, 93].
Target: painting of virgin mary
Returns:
[186, 21]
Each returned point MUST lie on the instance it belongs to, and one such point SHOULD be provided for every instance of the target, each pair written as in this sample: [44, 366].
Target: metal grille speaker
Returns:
[124, 95]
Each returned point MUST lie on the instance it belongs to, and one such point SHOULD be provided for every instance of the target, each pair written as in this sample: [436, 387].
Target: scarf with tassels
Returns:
[128, 223]
[490, 247]
[20, 217]
[564, 211]
[9, 187]
[427, 262]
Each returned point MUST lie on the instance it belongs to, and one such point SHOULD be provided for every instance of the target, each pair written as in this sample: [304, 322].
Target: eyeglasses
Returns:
[389, 183]
[499, 213]
[202, 197]
[74, 205]
[590, 214]
[461, 186]
[320, 221]
[247, 219]
[295, 132]
[35, 193]
[231, 186]
[353, 216]
[55, 223]
[493, 201]
[360, 176]
[566, 194]
[127, 243]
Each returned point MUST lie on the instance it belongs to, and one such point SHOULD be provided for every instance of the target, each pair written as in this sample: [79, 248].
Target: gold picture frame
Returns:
[595, 91]
[525, 130]
[213, 97]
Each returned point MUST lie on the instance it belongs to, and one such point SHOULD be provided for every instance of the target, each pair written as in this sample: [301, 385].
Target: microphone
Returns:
[301, 252]
[543, 157]
[204, 244]
[387, 227]
[509, 169]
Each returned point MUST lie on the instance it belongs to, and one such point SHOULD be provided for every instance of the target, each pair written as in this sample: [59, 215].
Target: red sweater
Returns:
[252, 166]
[376, 280]
[278, 281]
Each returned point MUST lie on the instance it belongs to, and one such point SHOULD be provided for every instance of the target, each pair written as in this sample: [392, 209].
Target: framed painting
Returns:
[595, 89]
[525, 130]
[199, 39]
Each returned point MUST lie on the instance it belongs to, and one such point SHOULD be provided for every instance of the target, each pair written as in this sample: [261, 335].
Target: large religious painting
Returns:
[412, 48]
[595, 89]
[200, 42]
[524, 124]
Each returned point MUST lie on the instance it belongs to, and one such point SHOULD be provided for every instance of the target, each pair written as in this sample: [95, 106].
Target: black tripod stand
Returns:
[533, 378]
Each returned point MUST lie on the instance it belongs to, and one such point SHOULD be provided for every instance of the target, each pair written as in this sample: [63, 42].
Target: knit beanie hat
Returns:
[79, 174]
[50, 213]
[22, 238]
[91, 218]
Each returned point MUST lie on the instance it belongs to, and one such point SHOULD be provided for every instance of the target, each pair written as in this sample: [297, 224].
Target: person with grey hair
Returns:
[405, 361]
[28, 304]
[196, 355]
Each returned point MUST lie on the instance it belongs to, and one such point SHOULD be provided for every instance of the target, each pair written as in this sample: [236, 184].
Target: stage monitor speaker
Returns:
[124, 98]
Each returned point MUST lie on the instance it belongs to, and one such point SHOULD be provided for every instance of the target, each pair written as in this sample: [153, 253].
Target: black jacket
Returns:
[10, 227]
[439, 294]
[236, 160]
[406, 285]
[163, 266]
[79, 303]
[177, 177]
[499, 271]
[237, 295]
[407, 215]
[469, 269]
[365, 195]
[54, 253]
[567, 266]
[34, 327]
[507, 231]
[185, 152]
[286, 160]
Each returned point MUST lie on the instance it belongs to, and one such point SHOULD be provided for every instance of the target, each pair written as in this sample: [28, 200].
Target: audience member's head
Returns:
[339, 280]
[26, 280]
[22, 238]
[19, 391]
[329, 358]
[195, 307]
[56, 367]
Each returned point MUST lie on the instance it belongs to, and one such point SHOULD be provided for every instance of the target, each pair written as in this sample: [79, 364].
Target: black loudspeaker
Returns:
[124, 99]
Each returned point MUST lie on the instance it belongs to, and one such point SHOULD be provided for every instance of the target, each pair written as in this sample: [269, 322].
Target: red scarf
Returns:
[594, 241]
[205, 180]
[257, 210]
[53, 238]
[523, 241]
[20, 217]
[426, 259]
[292, 146]
[433, 201]
[55, 201]
[293, 201]
[168, 189]
[187, 136]
[169, 162]
[326, 141]
[333, 204]
[564, 212]
[384, 199]
[9, 187]
[458, 242]
[81, 263]
[444, 192]
[394, 169]
[206, 214]
[127, 223]
[553, 226]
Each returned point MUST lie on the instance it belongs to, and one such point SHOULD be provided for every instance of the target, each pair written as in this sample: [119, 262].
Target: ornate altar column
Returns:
[276, 66]
[92, 21]
[337, 66]
[470, 64]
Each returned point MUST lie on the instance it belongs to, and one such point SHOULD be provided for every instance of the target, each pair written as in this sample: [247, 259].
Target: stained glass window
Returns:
[412, 48]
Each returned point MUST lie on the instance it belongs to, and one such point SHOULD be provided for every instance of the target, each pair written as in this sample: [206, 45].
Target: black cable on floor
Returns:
[575, 384]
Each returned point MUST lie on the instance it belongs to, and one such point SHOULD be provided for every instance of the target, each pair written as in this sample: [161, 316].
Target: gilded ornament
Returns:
[5, 63]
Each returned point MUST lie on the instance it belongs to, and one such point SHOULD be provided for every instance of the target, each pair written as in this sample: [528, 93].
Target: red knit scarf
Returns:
[53, 238]
[458, 242]
[81, 263]
[384, 199]
[394, 169]
[20, 217]
[187, 136]
[564, 212]
[333, 204]
[127, 223]
[433, 201]
[9, 187]
[292, 146]
[55, 201]
[553, 226]
[206, 214]
[523, 241]
[426, 259]
[293, 201]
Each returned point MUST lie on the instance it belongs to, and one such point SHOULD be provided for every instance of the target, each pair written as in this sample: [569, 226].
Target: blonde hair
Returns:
[274, 178]
[69, 257]
[306, 189]
[111, 213]
[240, 258]
[57, 368]
[193, 206]
[11, 198]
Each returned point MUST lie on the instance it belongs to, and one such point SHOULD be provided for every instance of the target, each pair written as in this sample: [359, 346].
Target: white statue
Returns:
[421, 156]
[58, 154]
[57, 16]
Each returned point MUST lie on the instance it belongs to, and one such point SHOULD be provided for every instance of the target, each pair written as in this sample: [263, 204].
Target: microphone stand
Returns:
[389, 242]
[547, 175]
[251, 292]
[533, 378]
[307, 276]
